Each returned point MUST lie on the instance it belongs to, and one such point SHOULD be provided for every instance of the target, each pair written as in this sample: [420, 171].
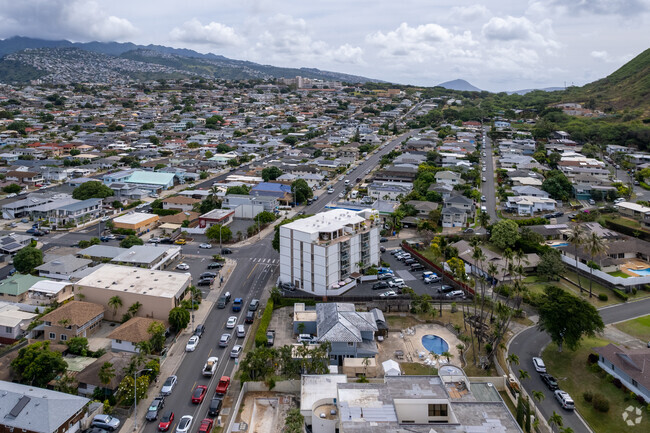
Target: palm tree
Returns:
[115, 303]
[555, 420]
[538, 395]
[596, 246]
[133, 309]
[523, 374]
[106, 374]
[447, 355]
[566, 430]
[576, 238]
[513, 359]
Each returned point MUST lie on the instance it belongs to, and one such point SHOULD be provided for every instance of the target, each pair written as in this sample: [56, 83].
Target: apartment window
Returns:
[64, 337]
[350, 344]
[635, 383]
[52, 335]
[118, 341]
[9, 329]
[437, 410]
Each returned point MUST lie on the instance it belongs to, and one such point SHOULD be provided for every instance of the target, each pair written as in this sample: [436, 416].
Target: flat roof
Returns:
[135, 218]
[143, 254]
[329, 221]
[318, 386]
[141, 281]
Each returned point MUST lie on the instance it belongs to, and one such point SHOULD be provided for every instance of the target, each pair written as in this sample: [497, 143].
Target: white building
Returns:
[319, 252]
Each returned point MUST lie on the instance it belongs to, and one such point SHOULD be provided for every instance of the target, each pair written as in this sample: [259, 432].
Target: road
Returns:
[248, 281]
[487, 187]
[530, 342]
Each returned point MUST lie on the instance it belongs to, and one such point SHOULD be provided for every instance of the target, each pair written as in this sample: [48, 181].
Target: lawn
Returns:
[639, 327]
[417, 369]
[574, 376]
[535, 285]
[619, 274]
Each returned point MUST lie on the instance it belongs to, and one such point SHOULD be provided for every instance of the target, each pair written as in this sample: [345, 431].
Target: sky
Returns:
[496, 45]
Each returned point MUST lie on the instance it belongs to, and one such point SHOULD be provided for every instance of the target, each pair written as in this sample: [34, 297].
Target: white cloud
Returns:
[469, 13]
[212, 33]
[520, 30]
[592, 7]
[66, 19]
[600, 55]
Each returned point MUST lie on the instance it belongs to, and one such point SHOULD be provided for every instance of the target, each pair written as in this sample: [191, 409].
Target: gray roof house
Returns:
[453, 217]
[38, 410]
[630, 366]
[62, 267]
[350, 333]
[529, 191]
[460, 202]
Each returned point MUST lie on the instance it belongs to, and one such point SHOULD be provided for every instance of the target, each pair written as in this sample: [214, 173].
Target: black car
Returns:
[155, 407]
[208, 275]
[250, 317]
[549, 381]
[417, 267]
[215, 406]
[383, 239]
[95, 430]
[382, 249]
[205, 281]
[166, 241]
[410, 261]
[380, 285]
[200, 329]
[226, 251]
[215, 265]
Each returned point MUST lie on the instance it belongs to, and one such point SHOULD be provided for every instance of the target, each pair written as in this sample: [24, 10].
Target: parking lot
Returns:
[411, 279]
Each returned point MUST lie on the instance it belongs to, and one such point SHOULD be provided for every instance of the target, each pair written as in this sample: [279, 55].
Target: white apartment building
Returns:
[319, 252]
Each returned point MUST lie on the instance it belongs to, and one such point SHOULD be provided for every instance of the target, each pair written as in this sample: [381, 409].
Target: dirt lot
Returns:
[265, 412]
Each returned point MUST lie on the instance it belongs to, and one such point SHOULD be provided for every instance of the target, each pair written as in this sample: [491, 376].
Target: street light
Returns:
[135, 395]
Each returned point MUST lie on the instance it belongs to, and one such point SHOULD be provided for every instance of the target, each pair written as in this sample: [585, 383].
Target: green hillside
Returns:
[626, 88]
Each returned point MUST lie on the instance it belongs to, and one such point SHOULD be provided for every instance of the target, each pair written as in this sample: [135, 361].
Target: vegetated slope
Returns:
[626, 88]
[459, 85]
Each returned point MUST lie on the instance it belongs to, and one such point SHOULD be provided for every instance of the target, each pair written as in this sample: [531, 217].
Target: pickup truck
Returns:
[270, 337]
[210, 366]
[222, 386]
[236, 306]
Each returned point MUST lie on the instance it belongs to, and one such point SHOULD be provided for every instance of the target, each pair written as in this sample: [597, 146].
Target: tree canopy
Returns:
[219, 232]
[131, 240]
[271, 173]
[178, 318]
[27, 259]
[567, 318]
[557, 185]
[36, 364]
[92, 189]
[301, 191]
[505, 234]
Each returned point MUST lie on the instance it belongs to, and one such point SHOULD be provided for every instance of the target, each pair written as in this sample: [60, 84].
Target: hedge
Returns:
[644, 185]
[537, 221]
[289, 302]
[260, 335]
[165, 212]
[620, 294]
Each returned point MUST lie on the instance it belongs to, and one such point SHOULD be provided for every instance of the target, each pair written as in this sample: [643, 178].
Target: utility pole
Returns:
[135, 395]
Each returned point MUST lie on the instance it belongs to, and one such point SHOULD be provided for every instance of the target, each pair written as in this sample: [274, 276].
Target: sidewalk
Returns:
[176, 353]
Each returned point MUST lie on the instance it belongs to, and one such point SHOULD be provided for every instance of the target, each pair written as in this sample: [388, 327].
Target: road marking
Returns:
[249, 275]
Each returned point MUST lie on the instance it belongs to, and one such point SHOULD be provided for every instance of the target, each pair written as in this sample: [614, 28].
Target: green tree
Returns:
[127, 392]
[219, 232]
[115, 303]
[265, 217]
[505, 234]
[576, 237]
[208, 154]
[557, 185]
[179, 318]
[12, 189]
[550, 265]
[131, 240]
[596, 246]
[134, 308]
[555, 420]
[294, 422]
[275, 243]
[106, 373]
[92, 189]
[203, 175]
[157, 332]
[240, 189]
[78, 346]
[301, 191]
[27, 259]
[567, 318]
[271, 173]
[36, 364]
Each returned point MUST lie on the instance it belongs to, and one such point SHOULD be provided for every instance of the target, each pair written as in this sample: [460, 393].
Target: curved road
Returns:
[530, 343]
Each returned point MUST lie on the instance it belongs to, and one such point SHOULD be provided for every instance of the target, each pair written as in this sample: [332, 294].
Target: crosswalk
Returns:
[266, 261]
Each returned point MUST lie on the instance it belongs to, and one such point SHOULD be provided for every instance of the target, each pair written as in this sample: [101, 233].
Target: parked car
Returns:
[224, 340]
[200, 329]
[432, 279]
[468, 230]
[205, 246]
[383, 239]
[564, 399]
[410, 261]
[106, 422]
[205, 281]
[549, 381]
[199, 394]
[380, 285]
[226, 251]
[184, 424]
[192, 343]
[169, 385]
[236, 351]
[183, 267]
[215, 406]
[180, 242]
[208, 275]
[396, 282]
[388, 294]
[287, 286]
[222, 386]
[155, 407]
[416, 267]
[215, 265]
[540, 367]
[206, 426]
[305, 338]
[455, 294]
[382, 249]
[166, 421]
[386, 276]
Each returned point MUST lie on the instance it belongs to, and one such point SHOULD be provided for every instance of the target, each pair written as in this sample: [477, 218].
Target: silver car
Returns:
[184, 424]
[106, 422]
[169, 385]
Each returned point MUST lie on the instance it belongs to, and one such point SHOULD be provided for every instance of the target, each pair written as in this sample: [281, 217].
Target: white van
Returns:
[305, 338]
[241, 331]
[397, 282]
[354, 194]
[347, 181]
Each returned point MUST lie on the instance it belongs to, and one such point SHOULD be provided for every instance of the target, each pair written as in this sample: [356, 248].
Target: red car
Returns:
[166, 421]
[199, 394]
[222, 386]
[206, 426]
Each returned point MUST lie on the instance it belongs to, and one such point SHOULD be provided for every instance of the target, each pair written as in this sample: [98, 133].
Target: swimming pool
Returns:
[641, 272]
[563, 244]
[435, 344]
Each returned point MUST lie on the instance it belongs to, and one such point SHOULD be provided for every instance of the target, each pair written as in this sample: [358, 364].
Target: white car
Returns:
[330, 191]
[236, 351]
[183, 266]
[210, 366]
[388, 294]
[341, 195]
[206, 246]
[106, 218]
[232, 321]
[184, 424]
[224, 340]
[564, 399]
[192, 343]
[540, 367]
[169, 385]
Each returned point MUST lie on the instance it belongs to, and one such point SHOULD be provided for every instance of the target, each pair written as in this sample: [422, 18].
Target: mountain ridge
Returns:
[459, 84]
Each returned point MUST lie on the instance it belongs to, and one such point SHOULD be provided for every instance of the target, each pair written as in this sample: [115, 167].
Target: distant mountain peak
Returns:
[459, 84]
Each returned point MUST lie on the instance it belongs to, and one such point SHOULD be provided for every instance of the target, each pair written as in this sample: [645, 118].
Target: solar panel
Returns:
[19, 406]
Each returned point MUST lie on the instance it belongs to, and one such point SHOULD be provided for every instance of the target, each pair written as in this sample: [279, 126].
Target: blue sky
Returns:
[496, 45]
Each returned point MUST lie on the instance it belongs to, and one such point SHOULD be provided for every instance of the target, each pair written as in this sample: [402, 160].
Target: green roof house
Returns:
[14, 288]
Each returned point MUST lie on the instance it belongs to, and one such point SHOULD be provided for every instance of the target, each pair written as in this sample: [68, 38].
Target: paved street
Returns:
[530, 342]
[487, 188]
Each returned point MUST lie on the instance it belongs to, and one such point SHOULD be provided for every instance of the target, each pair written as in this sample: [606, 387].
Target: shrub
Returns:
[603, 297]
[592, 358]
[260, 336]
[619, 294]
[600, 403]
[595, 368]
[617, 383]
[588, 396]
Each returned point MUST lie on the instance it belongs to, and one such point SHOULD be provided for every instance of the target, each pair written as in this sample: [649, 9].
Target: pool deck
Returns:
[410, 342]
[632, 265]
